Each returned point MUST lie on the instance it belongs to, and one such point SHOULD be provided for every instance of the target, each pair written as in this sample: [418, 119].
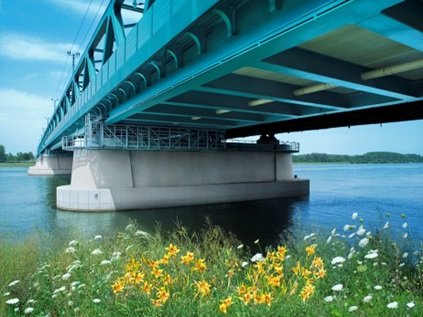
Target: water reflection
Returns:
[264, 220]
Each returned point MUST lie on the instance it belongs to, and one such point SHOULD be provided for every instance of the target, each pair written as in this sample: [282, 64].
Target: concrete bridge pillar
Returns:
[121, 180]
[52, 164]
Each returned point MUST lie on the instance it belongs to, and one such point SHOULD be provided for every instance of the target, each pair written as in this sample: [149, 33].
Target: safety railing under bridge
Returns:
[127, 137]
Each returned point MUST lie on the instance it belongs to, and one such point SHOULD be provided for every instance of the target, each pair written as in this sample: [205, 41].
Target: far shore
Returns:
[16, 164]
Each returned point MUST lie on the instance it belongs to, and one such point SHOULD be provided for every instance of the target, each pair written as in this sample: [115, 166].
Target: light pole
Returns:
[73, 54]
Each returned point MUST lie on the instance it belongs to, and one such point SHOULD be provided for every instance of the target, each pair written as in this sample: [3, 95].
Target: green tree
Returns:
[2, 153]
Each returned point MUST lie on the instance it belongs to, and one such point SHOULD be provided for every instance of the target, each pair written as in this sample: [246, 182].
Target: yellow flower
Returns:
[156, 272]
[187, 258]
[246, 298]
[274, 281]
[163, 295]
[203, 288]
[133, 265]
[165, 259]
[317, 262]
[167, 279]
[297, 269]
[118, 286]
[225, 304]
[278, 269]
[307, 291]
[200, 265]
[147, 288]
[268, 299]
[281, 252]
[242, 289]
[311, 249]
[172, 250]
[139, 277]
[321, 273]
[157, 302]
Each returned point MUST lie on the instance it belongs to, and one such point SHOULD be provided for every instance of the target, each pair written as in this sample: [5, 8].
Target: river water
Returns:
[27, 205]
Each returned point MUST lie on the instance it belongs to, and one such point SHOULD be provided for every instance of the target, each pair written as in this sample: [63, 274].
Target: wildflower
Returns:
[70, 303]
[329, 240]
[352, 235]
[386, 225]
[13, 283]
[12, 301]
[311, 235]
[6, 294]
[118, 286]
[244, 264]
[405, 236]
[367, 299]
[163, 295]
[225, 304]
[352, 308]
[363, 242]
[66, 276]
[411, 305]
[97, 237]
[307, 291]
[97, 252]
[187, 258]
[297, 269]
[337, 260]
[311, 249]
[203, 288]
[200, 265]
[141, 233]
[281, 252]
[405, 255]
[361, 231]
[240, 246]
[404, 225]
[348, 227]
[172, 250]
[257, 241]
[61, 289]
[105, 262]
[371, 255]
[70, 250]
[72, 243]
[329, 299]
[28, 310]
[354, 216]
[257, 257]
[115, 256]
[129, 227]
[96, 300]
[156, 272]
[392, 305]
[337, 288]
[377, 287]
[274, 281]
[147, 288]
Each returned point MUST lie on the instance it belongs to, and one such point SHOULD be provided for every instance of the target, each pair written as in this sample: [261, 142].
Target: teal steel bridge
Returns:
[243, 67]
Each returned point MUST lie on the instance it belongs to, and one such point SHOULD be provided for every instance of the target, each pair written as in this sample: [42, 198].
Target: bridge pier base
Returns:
[50, 165]
[121, 180]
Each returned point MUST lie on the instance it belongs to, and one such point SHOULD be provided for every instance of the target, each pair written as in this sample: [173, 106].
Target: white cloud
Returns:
[80, 6]
[23, 47]
[22, 117]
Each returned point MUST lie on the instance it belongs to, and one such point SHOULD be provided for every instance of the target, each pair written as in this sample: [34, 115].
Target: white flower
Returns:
[244, 264]
[99, 236]
[329, 299]
[97, 252]
[257, 241]
[401, 264]
[405, 254]
[404, 225]
[16, 309]
[347, 227]
[386, 225]
[141, 233]
[70, 303]
[363, 242]
[28, 310]
[377, 287]
[337, 260]
[411, 305]
[392, 305]
[329, 240]
[14, 283]
[81, 285]
[361, 231]
[129, 227]
[371, 255]
[96, 300]
[405, 236]
[66, 276]
[6, 294]
[354, 216]
[240, 246]
[352, 308]
[12, 301]
[351, 235]
[257, 257]
[115, 256]
[333, 231]
[70, 250]
[367, 299]
[105, 262]
[72, 243]
[311, 235]
[337, 288]
[61, 289]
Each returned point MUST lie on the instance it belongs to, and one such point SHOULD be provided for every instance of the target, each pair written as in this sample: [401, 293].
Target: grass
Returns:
[16, 164]
[342, 273]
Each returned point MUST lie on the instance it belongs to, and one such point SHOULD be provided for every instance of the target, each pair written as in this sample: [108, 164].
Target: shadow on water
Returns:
[265, 220]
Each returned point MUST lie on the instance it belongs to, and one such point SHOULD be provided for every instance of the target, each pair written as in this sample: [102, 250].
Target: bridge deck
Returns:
[247, 67]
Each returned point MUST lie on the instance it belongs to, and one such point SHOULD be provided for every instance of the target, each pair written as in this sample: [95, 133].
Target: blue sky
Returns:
[34, 68]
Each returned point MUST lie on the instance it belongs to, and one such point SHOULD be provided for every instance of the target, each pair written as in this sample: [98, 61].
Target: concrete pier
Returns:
[50, 165]
[121, 180]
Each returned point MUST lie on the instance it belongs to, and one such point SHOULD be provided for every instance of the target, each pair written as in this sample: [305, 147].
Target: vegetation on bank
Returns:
[17, 164]
[371, 158]
[17, 158]
[349, 271]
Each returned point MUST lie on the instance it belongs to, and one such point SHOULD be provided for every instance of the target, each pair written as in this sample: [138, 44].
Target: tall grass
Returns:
[350, 271]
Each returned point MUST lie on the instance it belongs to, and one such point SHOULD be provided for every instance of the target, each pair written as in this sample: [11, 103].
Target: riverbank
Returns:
[16, 164]
[349, 270]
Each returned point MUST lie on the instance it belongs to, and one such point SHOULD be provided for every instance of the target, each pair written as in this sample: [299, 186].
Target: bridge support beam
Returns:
[50, 165]
[120, 180]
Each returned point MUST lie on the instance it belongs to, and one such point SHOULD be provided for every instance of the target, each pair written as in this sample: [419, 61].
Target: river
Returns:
[27, 205]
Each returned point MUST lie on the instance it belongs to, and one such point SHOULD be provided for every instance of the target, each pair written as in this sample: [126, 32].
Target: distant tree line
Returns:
[371, 157]
[18, 157]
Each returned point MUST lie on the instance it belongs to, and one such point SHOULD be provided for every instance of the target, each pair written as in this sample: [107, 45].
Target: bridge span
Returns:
[150, 106]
